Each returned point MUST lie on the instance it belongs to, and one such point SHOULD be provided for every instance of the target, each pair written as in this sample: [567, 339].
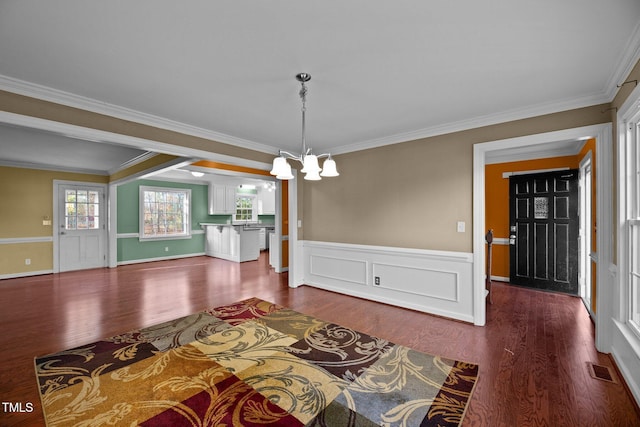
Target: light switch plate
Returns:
[461, 226]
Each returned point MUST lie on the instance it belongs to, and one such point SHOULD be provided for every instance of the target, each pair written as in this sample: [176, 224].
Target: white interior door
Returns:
[81, 227]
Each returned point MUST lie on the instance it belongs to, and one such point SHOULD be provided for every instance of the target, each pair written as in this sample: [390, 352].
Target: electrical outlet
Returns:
[461, 226]
[166, 248]
[27, 261]
[376, 280]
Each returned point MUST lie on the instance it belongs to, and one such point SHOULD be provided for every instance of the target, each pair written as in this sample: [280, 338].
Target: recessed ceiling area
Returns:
[33, 148]
[25, 147]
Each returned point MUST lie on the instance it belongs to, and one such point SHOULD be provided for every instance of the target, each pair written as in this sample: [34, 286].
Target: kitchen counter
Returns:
[232, 242]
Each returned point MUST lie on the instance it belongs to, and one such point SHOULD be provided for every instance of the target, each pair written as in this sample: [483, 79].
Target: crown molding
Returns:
[45, 93]
[628, 60]
[132, 162]
[478, 122]
[64, 98]
[630, 56]
[38, 166]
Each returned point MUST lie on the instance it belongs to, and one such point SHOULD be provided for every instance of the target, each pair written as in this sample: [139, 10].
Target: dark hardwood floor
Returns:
[533, 353]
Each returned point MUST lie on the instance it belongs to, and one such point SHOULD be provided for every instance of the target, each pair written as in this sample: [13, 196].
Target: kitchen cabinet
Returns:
[222, 199]
[233, 243]
[274, 251]
[266, 202]
[262, 238]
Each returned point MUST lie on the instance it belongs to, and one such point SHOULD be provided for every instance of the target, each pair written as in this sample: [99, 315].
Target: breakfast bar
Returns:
[237, 243]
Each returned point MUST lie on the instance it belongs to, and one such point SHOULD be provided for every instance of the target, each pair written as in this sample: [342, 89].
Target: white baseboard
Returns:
[436, 282]
[626, 353]
[25, 274]
[163, 258]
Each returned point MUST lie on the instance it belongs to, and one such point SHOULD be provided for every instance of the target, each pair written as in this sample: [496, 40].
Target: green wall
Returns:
[131, 248]
[267, 219]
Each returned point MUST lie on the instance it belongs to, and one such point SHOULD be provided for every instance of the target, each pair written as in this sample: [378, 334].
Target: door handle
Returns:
[62, 232]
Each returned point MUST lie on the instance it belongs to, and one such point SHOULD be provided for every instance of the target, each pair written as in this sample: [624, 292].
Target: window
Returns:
[246, 208]
[164, 213]
[634, 273]
[630, 161]
[81, 209]
[633, 201]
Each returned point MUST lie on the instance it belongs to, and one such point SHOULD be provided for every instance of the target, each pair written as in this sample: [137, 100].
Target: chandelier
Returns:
[310, 167]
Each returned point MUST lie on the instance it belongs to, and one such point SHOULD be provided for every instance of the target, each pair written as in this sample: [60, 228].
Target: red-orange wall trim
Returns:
[224, 166]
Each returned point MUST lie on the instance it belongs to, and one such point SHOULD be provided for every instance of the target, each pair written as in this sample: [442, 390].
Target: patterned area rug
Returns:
[252, 363]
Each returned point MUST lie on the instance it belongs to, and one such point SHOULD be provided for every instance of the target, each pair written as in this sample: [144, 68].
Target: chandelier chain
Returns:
[303, 97]
[282, 170]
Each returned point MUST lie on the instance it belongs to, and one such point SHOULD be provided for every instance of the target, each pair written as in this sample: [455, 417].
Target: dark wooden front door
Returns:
[544, 231]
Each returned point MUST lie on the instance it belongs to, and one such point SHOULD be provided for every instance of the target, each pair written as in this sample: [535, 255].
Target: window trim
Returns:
[634, 325]
[178, 236]
[99, 215]
[628, 208]
[254, 209]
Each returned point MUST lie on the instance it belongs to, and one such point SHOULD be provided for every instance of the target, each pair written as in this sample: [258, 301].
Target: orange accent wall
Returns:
[497, 200]
[224, 166]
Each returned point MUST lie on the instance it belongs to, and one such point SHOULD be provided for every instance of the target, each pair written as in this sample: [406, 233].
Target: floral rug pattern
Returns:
[252, 363]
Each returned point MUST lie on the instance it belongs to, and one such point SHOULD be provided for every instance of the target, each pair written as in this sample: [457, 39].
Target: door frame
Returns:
[57, 186]
[604, 212]
[585, 238]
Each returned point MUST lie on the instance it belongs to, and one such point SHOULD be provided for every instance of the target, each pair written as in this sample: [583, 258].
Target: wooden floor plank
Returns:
[532, 353]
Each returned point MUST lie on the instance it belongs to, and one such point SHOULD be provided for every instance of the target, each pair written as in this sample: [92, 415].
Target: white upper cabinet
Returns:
[222, 199]
[266, 202]
[230, 200]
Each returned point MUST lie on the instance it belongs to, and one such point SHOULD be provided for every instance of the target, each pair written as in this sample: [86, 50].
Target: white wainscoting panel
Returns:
[346, 270]
[439, 284]
[436, 282]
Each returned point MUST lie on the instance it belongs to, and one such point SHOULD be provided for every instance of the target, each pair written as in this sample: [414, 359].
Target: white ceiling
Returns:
[382, 72]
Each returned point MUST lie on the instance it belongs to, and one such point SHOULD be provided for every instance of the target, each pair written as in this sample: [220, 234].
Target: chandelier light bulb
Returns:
[310, 164]
[329, 168]
[312, 176]
[279, 166]
[285, 172]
